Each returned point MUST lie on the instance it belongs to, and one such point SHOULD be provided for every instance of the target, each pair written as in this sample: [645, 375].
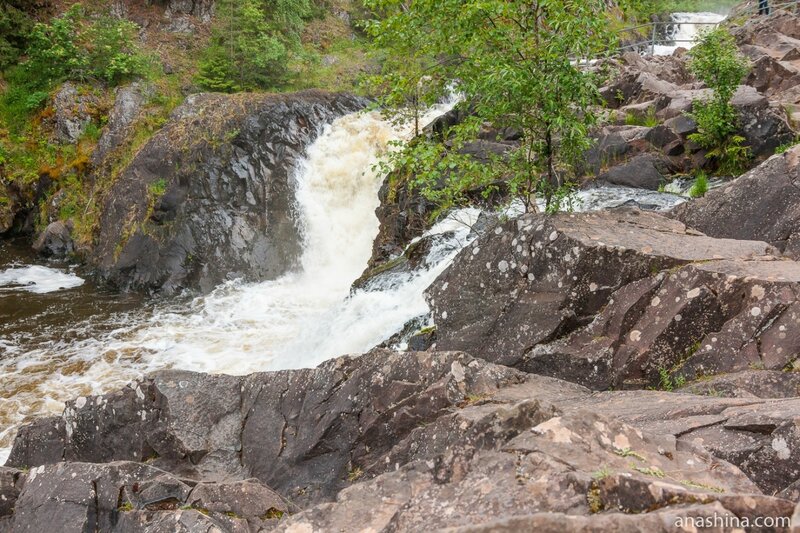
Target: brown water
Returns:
[42, 362]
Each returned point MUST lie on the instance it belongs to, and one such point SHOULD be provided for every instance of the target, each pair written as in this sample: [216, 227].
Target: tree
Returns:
[516, 64]
[717, 62]
[251, 43]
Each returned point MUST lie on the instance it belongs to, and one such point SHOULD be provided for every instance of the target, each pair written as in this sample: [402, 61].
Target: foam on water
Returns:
[298, 320]
[688, 28]
[37, 279]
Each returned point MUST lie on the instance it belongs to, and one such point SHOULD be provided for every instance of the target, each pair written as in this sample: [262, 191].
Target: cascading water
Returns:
[686, 29]
[298, 320]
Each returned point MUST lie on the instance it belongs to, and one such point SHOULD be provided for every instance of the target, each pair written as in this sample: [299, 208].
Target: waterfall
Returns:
[299, 320]
[686, 29]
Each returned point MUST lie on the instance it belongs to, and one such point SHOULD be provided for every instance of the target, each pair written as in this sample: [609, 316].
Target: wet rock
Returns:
[763, 204]
[73, 109]
[55, 240]
[539, 278]
[644, 171]
[211, 195]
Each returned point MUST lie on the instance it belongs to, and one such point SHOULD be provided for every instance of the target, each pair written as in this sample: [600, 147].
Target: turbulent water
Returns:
[687, 29]
[61, 337]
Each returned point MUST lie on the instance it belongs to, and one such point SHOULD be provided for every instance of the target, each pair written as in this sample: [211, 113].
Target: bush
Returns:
[700, 187]
[15, 26]
[251, 43]
[717, 62]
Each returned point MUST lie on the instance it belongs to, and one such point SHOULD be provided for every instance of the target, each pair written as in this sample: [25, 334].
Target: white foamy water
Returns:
[299, 320]
[37, 279]
[688, 29]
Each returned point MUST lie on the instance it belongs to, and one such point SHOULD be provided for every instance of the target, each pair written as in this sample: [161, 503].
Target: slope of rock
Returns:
[399, 442]
[211, 195]
[763, 204]
[538, 279]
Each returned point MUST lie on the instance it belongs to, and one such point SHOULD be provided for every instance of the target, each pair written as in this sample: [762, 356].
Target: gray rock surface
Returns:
[211, 195]
[763, 204]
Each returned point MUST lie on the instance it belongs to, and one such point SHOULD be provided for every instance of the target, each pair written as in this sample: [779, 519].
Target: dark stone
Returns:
[763, 204]
[55, 240]
[641, 172]
[211, 195]
[539, 278]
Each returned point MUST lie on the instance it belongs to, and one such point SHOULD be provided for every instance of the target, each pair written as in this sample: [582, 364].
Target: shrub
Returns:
[717, 62]
[700, 187]
[15, 26]
[251, 43]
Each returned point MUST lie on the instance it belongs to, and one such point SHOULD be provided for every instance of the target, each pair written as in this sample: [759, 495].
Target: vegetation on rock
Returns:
[517, 68]
[717, 62]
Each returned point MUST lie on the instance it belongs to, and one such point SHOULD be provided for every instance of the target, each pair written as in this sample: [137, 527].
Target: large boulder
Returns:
[703, 319]
[211, 195]
[763, 204]
[302, 432]
[407, 442]
[539, 278]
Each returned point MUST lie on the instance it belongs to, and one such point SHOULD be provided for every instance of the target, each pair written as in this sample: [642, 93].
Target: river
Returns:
[62, 337]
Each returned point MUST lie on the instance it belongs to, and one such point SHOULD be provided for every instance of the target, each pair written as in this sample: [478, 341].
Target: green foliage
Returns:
[700, 187]
[251, 44]
[157, 188]
[75, 47]
[650, 120]
[15, 26]
[666, 381]
[718, 63]
[513, 64]
[787, 146]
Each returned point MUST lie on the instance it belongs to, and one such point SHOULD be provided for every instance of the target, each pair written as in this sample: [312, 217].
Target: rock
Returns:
[11, 483]
[319, 424]
[123, 497]
[73, 109]
[641, 172]
[55, 240]
[511, 455]
[248, 499]
[703, 319]
[211, 196]
[539, 278]
[426, 441]
[763, 204]
[201, 9]
[749, 384]
[76, 497]
[127, 108]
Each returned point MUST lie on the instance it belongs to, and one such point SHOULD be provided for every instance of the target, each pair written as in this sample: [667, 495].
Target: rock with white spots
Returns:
[576, 262]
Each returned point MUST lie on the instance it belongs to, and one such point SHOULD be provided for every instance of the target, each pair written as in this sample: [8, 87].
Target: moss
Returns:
[126, 507]
[627, 452]
[355, 474]
[594, 499]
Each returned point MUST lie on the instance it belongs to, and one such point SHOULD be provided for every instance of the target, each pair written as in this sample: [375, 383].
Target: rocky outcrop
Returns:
[399, 442]
[763, 204]
[55, 240]
[211, 195]
[534, 282]
[302, 432]
[128, 103]
[72, 112]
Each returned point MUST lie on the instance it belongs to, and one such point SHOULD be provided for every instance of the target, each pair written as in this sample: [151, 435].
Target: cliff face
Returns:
[212, 194]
